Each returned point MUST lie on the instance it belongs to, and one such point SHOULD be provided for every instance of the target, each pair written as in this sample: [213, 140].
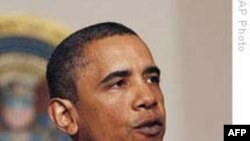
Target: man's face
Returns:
[119, 92]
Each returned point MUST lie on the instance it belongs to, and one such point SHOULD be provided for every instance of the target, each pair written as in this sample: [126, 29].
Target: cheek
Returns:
[104, 110]
[160, 98]
[159, 95]
[101, 119]
[117, 115]
[118, 107]
[114, 111]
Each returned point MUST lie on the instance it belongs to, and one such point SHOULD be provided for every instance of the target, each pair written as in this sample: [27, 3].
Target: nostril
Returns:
[144, 98]
[151, 104]
[147, 104]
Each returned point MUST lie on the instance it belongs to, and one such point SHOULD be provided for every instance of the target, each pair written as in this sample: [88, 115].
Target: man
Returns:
[104, 86]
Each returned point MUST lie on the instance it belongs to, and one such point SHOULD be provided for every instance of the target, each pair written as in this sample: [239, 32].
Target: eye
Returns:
[119, 84]
[153, 80]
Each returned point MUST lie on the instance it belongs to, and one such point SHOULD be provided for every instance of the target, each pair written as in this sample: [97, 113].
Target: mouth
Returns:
[150, 127]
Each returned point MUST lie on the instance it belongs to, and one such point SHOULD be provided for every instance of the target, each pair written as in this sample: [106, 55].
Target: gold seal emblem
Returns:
[26, 43]
[31, 26]
[15, 57]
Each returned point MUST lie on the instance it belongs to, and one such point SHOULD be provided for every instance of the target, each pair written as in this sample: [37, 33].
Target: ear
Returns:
[64, 114]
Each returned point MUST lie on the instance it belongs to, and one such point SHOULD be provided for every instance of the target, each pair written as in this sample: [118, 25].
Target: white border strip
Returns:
[241, 61]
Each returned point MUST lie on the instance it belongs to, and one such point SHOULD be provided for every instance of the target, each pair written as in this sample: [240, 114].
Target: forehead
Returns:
[124, 48]
[116, 53]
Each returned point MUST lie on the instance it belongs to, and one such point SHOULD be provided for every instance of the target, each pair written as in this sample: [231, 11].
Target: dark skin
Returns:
[120, 98]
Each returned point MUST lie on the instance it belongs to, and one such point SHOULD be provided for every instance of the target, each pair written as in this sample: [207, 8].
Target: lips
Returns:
[150, 127]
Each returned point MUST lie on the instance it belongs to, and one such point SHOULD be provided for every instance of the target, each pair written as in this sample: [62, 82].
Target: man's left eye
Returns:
[153, 79]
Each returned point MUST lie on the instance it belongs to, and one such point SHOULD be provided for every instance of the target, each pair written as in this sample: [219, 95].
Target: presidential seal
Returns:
[26, 43]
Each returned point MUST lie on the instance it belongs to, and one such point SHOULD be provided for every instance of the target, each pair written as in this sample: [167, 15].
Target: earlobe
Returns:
[64, 115]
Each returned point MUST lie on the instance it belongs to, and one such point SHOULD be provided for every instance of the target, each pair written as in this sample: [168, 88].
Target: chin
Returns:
[139, 137]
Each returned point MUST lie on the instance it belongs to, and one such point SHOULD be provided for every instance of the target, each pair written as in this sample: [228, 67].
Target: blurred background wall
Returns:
[190, 40]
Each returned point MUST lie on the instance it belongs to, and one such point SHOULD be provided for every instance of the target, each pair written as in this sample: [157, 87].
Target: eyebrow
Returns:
[152, 69]
[119, 73]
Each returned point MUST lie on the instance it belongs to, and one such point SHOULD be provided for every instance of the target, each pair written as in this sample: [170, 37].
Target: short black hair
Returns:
[68, 57]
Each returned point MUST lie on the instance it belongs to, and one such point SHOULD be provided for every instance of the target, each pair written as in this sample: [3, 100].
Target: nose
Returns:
[145, 99]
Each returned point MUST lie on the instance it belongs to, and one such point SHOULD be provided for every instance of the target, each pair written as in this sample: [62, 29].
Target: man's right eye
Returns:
[119, 84]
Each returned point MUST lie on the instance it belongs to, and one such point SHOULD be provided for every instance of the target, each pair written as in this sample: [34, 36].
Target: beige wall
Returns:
[191, 42]
[205, 37]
